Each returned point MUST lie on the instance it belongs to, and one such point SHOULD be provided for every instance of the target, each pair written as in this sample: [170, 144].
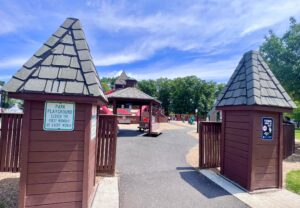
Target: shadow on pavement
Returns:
[130, 133]
[201, 183]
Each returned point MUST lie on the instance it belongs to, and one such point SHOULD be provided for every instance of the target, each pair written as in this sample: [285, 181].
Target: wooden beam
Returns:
[115, 107]
[140, 113]
[150, 118]
[24, 153]
[254, 108]
[280, 149]
[58, 97]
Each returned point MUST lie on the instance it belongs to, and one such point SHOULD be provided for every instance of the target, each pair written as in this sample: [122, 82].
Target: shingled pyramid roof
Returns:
[131, 93]
[253, 83]
[63, 65]
[121, 80]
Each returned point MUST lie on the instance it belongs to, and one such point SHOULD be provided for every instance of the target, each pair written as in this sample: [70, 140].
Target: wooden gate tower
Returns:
[61, 91]
[252, 104]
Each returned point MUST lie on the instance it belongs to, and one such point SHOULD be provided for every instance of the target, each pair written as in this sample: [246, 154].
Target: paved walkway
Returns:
[154, 173]
[107, 194]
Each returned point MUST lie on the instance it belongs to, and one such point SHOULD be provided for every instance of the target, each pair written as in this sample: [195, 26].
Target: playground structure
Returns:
[136, 97]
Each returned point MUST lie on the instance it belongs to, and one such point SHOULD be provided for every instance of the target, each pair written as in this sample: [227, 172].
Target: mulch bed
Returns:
[9, 190]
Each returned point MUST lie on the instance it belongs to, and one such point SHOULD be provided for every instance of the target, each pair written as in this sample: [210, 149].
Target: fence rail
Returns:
[106, 144]
[209, 144]
[10, 139]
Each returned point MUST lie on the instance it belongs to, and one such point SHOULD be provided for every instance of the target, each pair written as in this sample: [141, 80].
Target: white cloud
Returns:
[267, 13]
[13, 17]
[5, 78]
[201, 26]
[135, 31]
[107, 60]
[12, 62]
[219, 70]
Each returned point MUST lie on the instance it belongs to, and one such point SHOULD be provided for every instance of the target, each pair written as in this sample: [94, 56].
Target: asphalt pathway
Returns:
[154, 173]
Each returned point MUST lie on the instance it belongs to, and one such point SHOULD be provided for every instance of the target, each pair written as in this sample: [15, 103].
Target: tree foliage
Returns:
[182, 95]
[296, 114]
[107, 83]
[283, 57]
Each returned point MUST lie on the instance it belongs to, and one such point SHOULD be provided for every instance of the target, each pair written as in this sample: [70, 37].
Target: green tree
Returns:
[149, 87]
[190, 93]
[108, 83]
[180, 95]
[105, 86]
[296, 114]
[164, 93]
[283, 57]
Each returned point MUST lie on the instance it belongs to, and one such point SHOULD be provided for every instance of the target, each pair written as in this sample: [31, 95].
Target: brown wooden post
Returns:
[280, 149]
[197, 118]
[140, 119]
[24, 153]
[222, 141]
[115, 110]
[200, 146]
[251, 158]
[150, 118]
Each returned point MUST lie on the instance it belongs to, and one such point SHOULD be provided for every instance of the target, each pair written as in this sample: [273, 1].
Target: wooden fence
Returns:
[10, 139]
[106, 144]
[288, 140]
[209, 144]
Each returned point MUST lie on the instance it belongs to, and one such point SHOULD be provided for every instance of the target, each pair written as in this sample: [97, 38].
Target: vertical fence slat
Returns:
[4, 143]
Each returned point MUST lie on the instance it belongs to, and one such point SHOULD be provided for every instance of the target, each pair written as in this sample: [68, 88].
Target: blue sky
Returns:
[147, 38]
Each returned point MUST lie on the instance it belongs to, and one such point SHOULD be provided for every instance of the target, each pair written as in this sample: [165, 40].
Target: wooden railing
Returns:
[209, 144]
[10, 139]
[288, 140]
[106, 144]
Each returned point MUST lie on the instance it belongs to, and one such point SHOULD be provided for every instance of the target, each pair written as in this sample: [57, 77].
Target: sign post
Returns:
[197, 119]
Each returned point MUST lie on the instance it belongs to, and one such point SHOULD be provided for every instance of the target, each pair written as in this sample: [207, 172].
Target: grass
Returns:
[297, 134]
[293, 181]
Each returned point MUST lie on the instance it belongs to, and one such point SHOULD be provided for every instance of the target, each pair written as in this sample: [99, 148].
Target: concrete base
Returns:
[107, 194]
[279, 198]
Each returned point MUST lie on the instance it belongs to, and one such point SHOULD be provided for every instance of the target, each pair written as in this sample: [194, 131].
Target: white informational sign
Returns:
[153, 119]
[59, 116]
[93, 123]
[94, 126]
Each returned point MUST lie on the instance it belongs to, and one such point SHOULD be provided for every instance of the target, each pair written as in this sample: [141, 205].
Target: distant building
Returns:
[124, 81]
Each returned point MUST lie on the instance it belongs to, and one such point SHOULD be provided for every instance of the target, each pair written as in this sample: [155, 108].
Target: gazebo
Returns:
[135, 96]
